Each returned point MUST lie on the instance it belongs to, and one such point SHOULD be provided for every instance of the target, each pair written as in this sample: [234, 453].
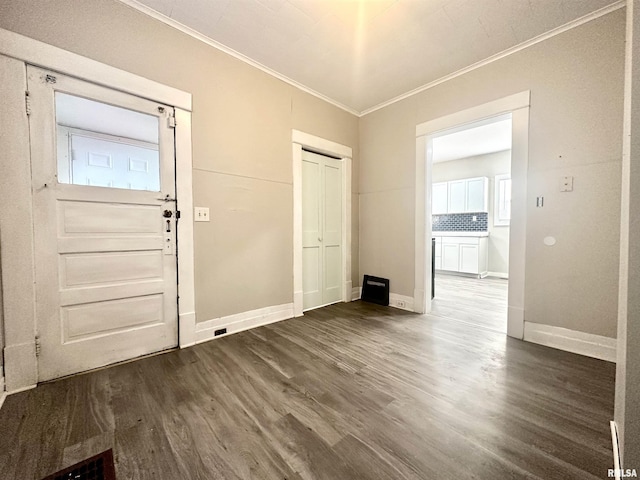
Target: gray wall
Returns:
[242, 157]
[576, 84]
[488, 165]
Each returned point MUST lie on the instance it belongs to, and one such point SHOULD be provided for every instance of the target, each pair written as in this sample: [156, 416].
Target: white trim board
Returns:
[617, 464]
[239, 322]
[401, 301]
[20, 367]
[505, 53]
[587, 344]
[356, 293]
[3, 393]
[300, 140]
[493, 58]
[502, 275]
[229, 51]
[518, 105]
[47, 56]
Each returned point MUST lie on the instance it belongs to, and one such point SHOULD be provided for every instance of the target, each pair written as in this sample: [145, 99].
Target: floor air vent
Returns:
[375, 290]
[99, 467]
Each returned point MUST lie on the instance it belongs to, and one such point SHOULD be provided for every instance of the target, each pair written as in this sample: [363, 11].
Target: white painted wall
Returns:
[488, 165]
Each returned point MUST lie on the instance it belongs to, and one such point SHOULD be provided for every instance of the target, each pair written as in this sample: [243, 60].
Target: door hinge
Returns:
[27, 102]
[38, 346]
[172, 120]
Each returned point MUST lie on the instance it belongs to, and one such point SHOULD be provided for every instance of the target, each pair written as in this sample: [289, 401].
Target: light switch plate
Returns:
[201, 214]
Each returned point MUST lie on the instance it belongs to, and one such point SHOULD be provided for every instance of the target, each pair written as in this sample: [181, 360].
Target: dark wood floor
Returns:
[480, 301]
[350, 391]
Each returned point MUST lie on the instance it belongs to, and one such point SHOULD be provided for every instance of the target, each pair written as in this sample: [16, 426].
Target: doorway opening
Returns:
[518, 106]
[470, 218]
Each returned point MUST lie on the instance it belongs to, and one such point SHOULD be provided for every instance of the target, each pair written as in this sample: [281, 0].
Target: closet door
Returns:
[321, 230]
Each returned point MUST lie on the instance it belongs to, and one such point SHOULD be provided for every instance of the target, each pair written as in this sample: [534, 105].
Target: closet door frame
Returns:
[320, 145]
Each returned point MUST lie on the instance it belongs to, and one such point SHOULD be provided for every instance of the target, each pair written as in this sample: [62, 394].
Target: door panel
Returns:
[107, 218]
[109, 267]
[322, 230]
[332, 235]
[82, 321]
[105, 280]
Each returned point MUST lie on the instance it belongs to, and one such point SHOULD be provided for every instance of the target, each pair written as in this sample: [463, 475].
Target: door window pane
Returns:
[106, 146]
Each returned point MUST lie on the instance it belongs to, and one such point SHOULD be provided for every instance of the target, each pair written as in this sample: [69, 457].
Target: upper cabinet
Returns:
[439, 203]
[460, 196]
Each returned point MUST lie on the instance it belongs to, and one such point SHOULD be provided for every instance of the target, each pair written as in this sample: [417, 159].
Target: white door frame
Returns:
[20, 322]
[302, 140]
[518, 106]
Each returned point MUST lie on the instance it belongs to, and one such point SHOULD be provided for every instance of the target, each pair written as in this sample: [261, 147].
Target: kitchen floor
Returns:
[481, 302]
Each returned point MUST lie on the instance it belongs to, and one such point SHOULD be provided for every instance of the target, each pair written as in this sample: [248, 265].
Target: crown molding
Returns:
[136, 5]
[505, 53]
[229, 51]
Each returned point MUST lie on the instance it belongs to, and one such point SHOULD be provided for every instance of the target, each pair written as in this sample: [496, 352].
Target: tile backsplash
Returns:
[460, 222]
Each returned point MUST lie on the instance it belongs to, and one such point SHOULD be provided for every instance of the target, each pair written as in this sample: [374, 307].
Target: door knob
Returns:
[167, 214]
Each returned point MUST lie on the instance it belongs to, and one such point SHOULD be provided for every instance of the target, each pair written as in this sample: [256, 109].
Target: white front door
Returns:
[103, 172]
[321, 230]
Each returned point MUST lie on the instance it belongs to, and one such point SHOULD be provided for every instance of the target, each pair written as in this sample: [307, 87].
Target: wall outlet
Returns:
[566, 184]
[201, 214]
[401, 304]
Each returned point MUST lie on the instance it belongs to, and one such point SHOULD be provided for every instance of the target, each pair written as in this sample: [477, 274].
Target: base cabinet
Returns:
[464, 255]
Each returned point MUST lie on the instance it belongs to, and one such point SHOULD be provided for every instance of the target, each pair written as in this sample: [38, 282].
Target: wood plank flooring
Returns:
[350, 391]
[480, 301]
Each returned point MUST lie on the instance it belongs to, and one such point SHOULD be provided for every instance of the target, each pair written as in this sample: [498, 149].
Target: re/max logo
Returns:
[623, 472]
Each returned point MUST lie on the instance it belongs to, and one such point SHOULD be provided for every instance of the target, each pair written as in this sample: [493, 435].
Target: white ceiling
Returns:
[362, 53]
[475, 139]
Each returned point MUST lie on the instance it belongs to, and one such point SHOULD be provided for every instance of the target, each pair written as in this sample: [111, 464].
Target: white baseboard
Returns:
[238, 322]
[587, 344]
[401, 301]
[498, 275]
[356, 293]
[3, 394]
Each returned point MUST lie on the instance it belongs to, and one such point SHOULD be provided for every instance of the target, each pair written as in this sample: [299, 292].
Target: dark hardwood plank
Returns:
[350, 391]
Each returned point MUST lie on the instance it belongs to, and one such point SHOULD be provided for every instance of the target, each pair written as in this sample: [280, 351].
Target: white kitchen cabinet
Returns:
[468, 195]
[468, 259]
[439, 198]
[465, 255]
[450, 257]
[457, 196]
[477, 190]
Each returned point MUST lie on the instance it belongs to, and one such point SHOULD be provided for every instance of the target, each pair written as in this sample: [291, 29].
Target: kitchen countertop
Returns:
[460, 234]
